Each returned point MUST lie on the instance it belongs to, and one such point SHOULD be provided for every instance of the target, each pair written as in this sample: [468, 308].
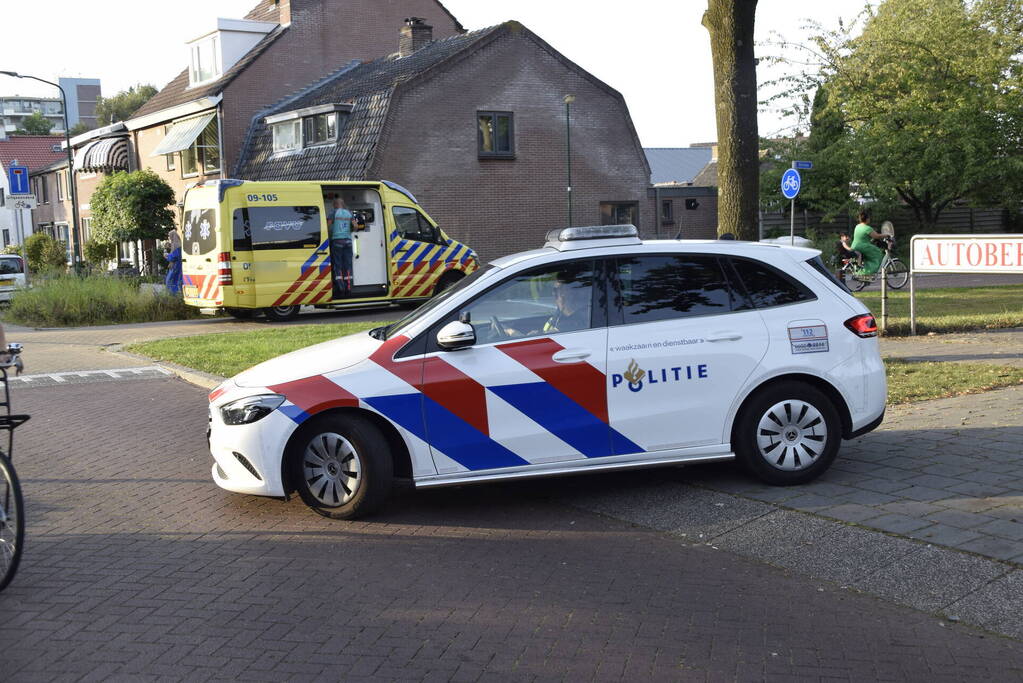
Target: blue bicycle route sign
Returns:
[790, 183]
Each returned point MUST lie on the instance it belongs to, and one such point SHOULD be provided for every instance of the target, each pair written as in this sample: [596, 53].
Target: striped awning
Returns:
[104, 155]
[182, 134]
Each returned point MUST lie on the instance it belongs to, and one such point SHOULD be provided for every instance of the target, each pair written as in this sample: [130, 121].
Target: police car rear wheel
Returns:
[280, 314]
[341, 466]
[787, 434]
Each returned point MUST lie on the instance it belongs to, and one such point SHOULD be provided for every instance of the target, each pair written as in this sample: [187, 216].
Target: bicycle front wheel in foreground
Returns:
[12, 522]
[897, 274]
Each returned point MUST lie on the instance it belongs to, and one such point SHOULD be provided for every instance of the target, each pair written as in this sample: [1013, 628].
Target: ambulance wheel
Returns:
[280, 314]
[243, 313]
[446, 280]
[787, 434]
[340, 466]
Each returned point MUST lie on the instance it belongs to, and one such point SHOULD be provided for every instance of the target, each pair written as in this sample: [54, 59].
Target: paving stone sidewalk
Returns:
[1000, 347]
[137, 568]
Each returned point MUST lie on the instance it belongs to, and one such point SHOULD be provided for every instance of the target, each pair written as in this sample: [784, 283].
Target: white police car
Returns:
[596, 352]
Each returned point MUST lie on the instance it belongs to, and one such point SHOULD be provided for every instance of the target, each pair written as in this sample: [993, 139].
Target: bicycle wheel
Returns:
[12, 522]
[897, 274]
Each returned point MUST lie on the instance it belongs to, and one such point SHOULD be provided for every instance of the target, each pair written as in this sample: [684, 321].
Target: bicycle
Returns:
[892, 268]
[12, 518]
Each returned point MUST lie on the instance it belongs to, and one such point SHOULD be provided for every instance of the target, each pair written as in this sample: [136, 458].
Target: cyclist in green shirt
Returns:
[862, 234]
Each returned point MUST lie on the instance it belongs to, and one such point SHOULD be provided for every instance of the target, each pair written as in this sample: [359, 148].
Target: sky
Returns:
[655, 52]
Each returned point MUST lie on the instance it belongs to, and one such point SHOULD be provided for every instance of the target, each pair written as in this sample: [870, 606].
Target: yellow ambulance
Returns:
[252, 247]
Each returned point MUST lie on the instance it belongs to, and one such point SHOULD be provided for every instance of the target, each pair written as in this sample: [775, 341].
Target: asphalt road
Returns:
[137, 567]
[935, 280]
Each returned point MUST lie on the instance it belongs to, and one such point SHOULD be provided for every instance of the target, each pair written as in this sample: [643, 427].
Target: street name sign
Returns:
[802, 165]
[790, 183]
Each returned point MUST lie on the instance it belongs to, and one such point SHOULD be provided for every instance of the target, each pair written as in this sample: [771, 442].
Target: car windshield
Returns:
[397, 327]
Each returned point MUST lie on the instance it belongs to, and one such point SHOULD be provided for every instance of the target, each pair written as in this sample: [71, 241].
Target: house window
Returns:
[205, 65]
[495, 134]
[667, 211]
[60, 185]
[86, 229]
[619, 213]
[170, 158]
[320, 129]
[204, 154]
[287, 136]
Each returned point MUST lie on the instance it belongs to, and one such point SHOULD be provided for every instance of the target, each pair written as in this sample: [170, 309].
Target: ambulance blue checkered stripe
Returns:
[312, 259]
[448, 433]
[565, 419]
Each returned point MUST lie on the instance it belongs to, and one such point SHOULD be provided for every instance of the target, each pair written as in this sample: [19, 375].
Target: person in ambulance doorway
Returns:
[342, 223]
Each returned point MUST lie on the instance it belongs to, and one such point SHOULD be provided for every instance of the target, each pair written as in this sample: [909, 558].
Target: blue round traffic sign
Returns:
[790, 183]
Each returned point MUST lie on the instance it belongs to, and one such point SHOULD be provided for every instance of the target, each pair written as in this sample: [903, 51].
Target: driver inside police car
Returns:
[572, 305]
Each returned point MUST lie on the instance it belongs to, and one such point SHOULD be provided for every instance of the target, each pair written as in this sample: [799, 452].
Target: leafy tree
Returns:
[929, 98]
[43, 252]
[730, 23]
[131, 206]
[121, 106]
[36, 124]
[79, 128]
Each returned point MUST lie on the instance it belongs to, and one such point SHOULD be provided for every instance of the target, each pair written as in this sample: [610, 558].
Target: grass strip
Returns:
[229, 353]
[953, 309]
[911, 381]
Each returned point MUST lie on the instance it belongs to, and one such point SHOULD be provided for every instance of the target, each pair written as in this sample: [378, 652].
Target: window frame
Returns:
[631, 203]
[773, 270]
[421, 218]
[616, 308]
[195, 73]
[310, 123]
[197, 152]
[426, 342]
[668, 217]
[247, 243]
[495, 154]
[296, 128]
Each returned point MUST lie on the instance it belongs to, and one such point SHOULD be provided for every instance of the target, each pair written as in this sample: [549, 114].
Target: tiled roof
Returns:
[708, 177]
[34, 151]
[676, 164]
[177, 91]
[368, 87]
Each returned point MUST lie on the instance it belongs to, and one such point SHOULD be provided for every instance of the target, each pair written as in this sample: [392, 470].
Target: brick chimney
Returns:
[415, 34]
[284, 12]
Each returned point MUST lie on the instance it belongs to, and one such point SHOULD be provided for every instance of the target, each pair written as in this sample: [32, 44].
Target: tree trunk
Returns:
[730, 23]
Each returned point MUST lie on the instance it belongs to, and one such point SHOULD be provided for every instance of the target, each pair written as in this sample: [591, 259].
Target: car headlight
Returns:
[247, 410]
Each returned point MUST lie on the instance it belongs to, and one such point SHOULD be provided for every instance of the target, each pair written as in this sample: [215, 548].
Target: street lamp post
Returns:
[70, 165]
[569, 99]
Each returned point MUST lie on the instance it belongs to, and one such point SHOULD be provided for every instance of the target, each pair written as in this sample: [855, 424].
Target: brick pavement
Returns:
[137, 567]
[1000, 347]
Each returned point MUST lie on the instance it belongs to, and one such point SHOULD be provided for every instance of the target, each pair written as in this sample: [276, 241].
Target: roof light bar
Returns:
[592, 232]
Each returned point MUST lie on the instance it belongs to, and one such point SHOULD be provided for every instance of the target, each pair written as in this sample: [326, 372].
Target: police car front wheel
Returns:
[787, 434]
[340, 466]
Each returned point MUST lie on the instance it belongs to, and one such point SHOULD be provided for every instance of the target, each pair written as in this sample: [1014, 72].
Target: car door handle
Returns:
[725, 336]
[570, 355]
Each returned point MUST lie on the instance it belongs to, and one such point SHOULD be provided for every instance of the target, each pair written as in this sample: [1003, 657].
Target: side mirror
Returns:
[456, 335]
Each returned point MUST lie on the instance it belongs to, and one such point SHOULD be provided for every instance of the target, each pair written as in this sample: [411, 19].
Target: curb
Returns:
[204, 380]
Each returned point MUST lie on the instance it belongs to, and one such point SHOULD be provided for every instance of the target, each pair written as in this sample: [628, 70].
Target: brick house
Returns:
[684, 193]
[195, 126]
[475, 125]
[35, 152]
[96, 153]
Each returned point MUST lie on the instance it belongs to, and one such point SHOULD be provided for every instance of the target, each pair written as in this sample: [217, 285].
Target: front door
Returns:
[531, 390]
[681, 344]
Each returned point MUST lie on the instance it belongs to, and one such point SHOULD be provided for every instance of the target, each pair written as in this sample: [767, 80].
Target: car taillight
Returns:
[862, 325]
[224, 274]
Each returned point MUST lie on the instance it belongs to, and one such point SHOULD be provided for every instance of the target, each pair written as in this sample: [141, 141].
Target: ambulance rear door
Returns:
[287, 235]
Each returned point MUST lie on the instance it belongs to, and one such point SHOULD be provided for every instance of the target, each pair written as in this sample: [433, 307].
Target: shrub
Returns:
[67, 300]
[98, 253]
[44, 253]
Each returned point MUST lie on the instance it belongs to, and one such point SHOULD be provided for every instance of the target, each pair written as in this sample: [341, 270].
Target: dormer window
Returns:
[205, 61]
[309, 127]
